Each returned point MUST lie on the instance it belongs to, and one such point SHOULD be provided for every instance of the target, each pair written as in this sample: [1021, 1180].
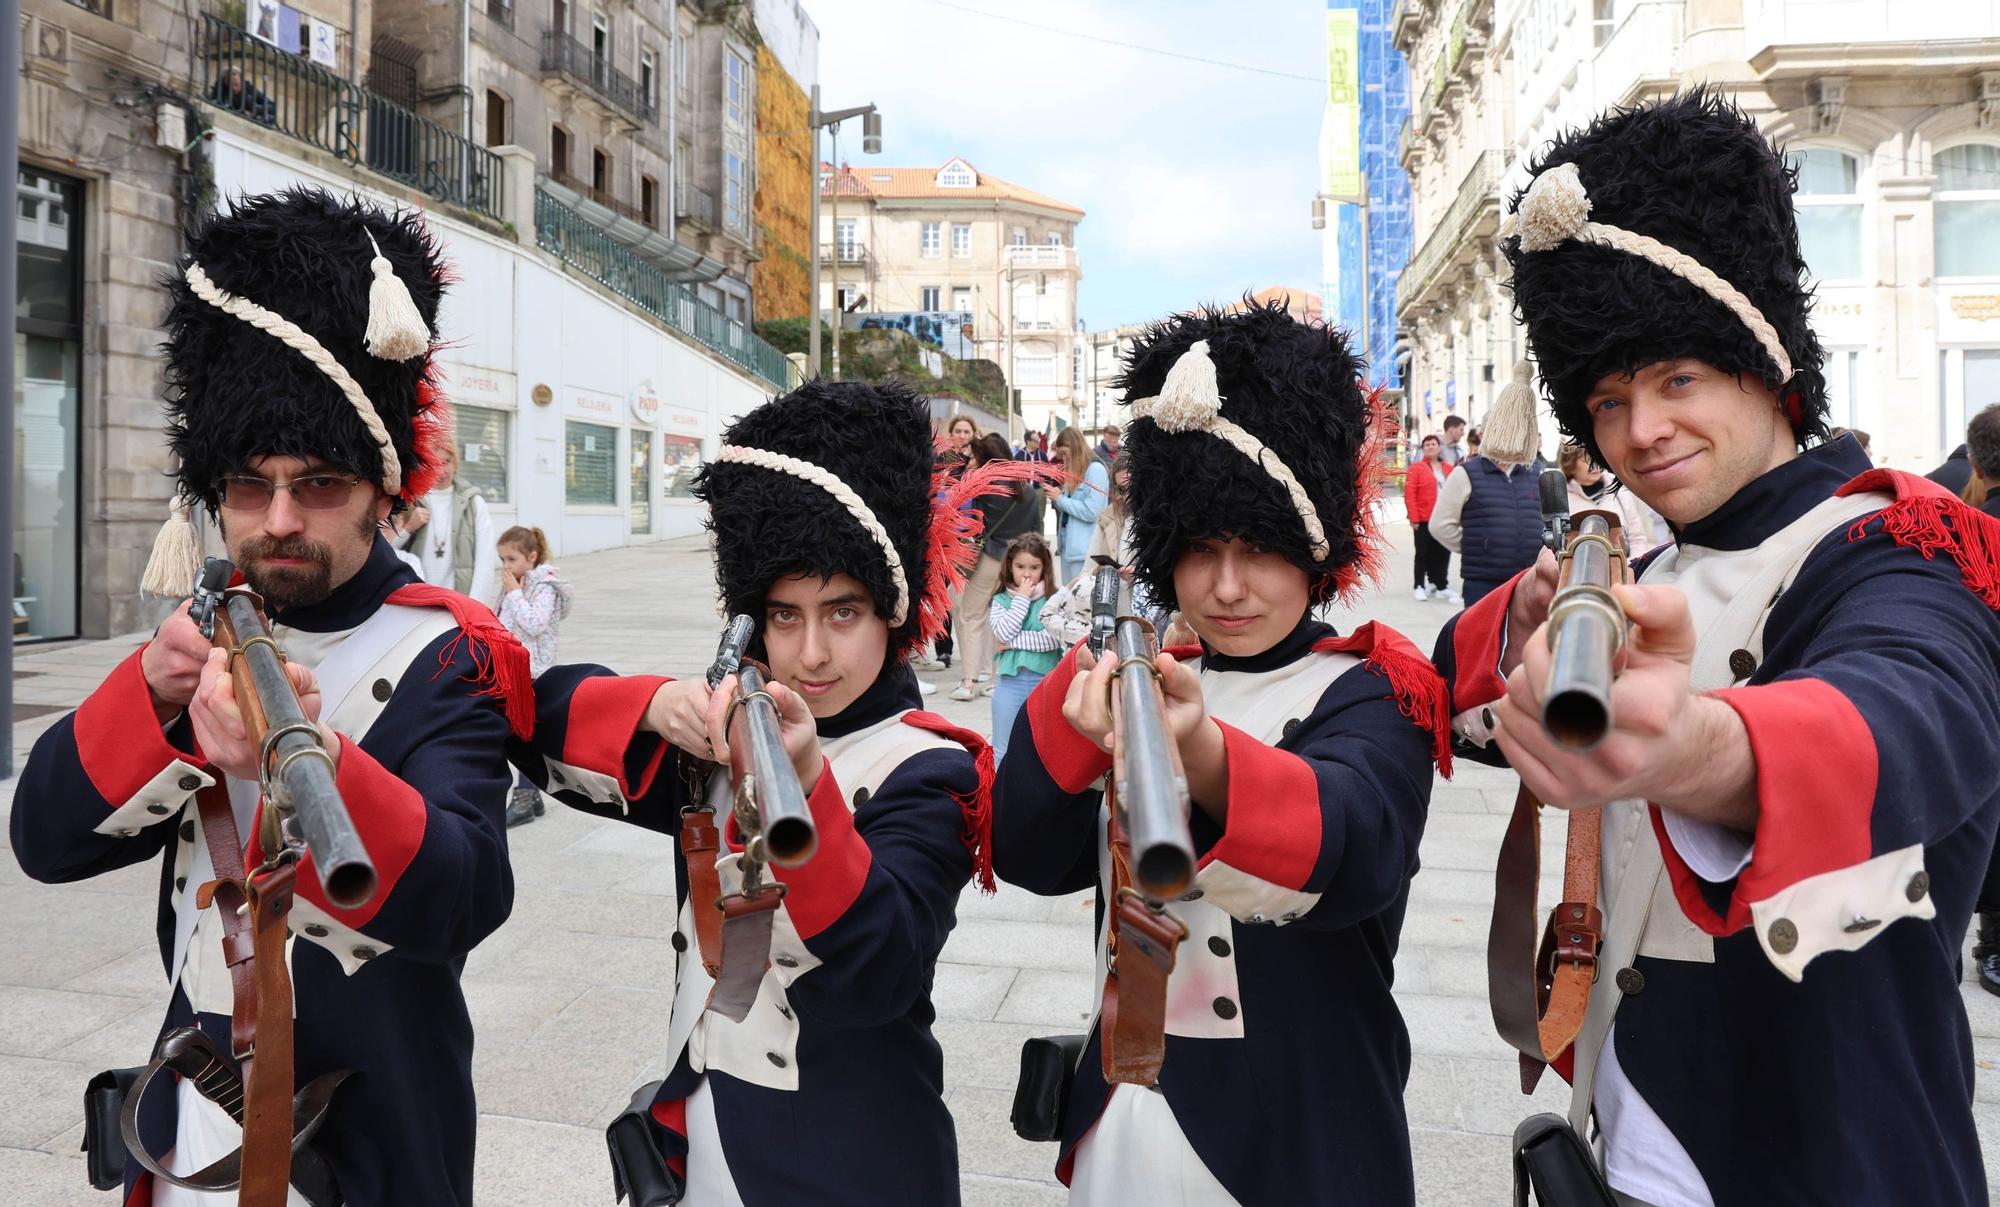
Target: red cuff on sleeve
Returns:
[1072, 760]
[1816, 776]
[1273, 832]
[390, 816]
[1476, 645]
[818, 893]
[118, 737]
[674, 1117]
[605, 713]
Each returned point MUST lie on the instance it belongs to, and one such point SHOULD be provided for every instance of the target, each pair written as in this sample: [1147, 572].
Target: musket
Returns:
[294, 769]
[1149, 786]
[771, 812]
[1586, 625]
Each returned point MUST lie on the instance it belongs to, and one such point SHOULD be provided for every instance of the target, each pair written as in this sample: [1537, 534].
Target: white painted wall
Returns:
[515, 320]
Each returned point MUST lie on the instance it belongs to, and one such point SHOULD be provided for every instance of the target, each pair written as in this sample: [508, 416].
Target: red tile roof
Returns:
[922, 183]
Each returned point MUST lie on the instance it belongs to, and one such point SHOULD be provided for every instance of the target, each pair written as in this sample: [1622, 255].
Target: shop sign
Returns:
[646, 403]
[1977, 307]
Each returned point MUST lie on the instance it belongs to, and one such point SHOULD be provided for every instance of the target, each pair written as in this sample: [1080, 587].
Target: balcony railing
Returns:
[501, 11]
[695, 205]
[1039, 255]
[302, 100]
[562, 232]
[602, 197]
[562, 53]
[1480, 187]
[850, 253]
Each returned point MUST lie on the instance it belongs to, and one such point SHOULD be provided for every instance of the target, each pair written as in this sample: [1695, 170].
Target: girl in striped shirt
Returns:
[1027, 650]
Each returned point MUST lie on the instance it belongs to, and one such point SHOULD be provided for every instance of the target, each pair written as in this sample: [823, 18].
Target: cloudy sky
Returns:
[1196, 179]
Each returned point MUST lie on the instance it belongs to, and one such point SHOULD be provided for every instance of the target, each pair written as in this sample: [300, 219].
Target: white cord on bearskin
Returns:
[826, 480]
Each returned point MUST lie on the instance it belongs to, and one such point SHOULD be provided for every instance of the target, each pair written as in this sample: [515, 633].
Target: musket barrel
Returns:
[790, 837]
[345, 871]
[1586, 629]
[1152, 791]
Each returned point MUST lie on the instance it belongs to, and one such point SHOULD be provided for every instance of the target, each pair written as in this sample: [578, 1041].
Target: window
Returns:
[48, 346]
[559, 15]
[850, 248]
[733, 215]
[680, 461]
[961, 239]
[930, 301]
[1055, 239]
[1034, 369]
[961, 299]
[649, 201]
[735, 87]
[682, 79]
[1967, 211]
[1603, 21]
[641, 484]
[484, 437]
[932, 240]
[600, 172]
[735, 143]
[590, 461]
[1020, 236]
[1828, 206]
[957, 175]
[846, 299]
[558, 151]
[648, 93]
[600, 42]
[496, 119]
[1076, 367]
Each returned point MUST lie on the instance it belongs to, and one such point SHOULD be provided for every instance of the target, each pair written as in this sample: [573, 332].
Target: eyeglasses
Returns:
[315, 492]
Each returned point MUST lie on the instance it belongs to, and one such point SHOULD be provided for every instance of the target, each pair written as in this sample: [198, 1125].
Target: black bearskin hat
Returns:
[238, 391]
[1696, 174]
[769, 524]
[1294, 387]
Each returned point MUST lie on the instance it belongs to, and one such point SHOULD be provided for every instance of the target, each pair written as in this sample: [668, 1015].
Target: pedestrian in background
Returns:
[1594, 489]
[534, 599]
[1490, 514]
[1003, 517]
[1453, 452]
[1085, 490]
[1421, 484]
[1107, 445]
[1860, 437]
[1955, 472]
[1027, 650]
[456, 545]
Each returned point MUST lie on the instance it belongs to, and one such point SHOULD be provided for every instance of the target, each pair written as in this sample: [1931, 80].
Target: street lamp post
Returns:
[871, 143]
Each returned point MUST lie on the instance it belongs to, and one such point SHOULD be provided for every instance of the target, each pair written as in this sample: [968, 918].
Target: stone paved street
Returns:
[570, 999]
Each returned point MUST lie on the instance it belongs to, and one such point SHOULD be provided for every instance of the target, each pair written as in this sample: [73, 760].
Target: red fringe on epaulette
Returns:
[1419, 690]
[1371, 474]
[952, 549]
[977, 807]
[499, 660]
[1931, 520]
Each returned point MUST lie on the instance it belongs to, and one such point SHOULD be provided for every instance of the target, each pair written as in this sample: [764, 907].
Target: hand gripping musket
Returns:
[1152, 851]
[302, 814]
[1539, 991]
[763, 794]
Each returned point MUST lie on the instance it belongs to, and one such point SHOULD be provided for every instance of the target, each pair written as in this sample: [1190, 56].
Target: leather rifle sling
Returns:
[1141, 946]
[701, 838]
[733, 933]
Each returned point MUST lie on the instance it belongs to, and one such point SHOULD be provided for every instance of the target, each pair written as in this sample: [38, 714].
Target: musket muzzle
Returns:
[1152, 790]
[1586, 630]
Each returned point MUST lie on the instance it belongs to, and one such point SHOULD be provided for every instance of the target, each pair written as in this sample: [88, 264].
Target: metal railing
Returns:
[1039, 255]
[695, 204]
[501, 11]
[305, 101]
[850, 253]
[1481, 185]
[560, 52]
[602, 197]
[562, 232]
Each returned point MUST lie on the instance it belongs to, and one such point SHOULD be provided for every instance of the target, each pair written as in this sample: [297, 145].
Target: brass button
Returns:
[1290, 726]
[365, 953]
[1224, 1008]
[180, 882]
[187, 830]
[1742, 663]
[860, 797]
[157, 810]
[679, 941]
[188, 783]
[1919, 885]
[383, 689]
[786, 961]
[1783, 936]
[316, 930]
[775, 1059]
[1218, 945]
[1630, 981]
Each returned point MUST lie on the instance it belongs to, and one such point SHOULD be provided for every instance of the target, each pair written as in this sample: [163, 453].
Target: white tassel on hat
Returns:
[1511, 433]
[1189, 400]
[170, 571]
[395, 330]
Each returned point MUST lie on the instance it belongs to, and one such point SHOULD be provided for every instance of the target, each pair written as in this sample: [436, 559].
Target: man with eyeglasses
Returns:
[298, 363]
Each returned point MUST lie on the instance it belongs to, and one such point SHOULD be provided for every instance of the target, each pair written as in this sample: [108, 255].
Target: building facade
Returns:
[1365, 190]
[787, 69]
[952, 239]
[1891, 114]
[590, 374]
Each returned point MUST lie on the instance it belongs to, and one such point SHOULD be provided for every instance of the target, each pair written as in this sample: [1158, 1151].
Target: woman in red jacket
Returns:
[1420, 493]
